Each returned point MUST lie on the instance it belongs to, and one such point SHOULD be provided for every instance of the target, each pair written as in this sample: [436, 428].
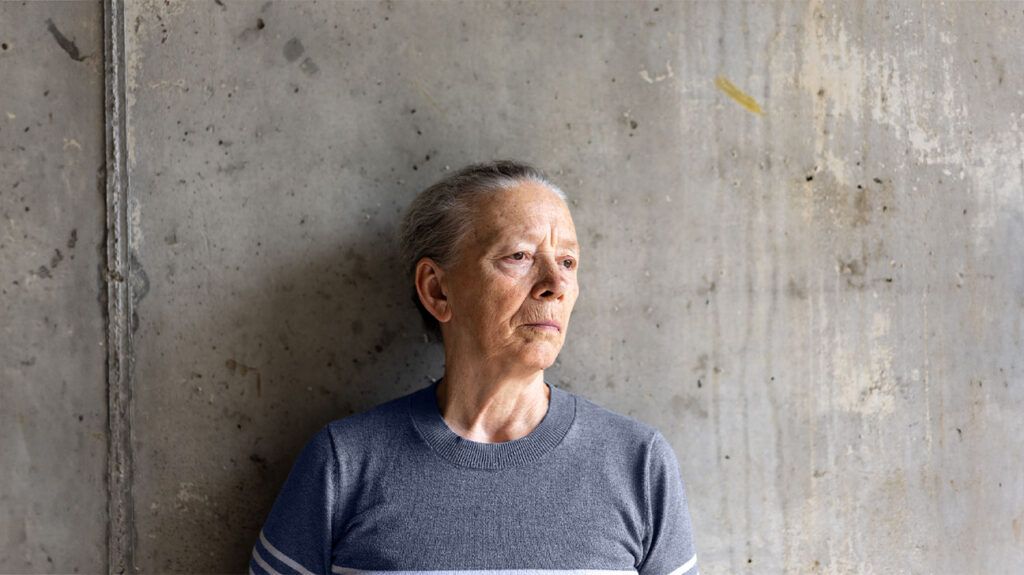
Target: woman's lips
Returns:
[546, 326]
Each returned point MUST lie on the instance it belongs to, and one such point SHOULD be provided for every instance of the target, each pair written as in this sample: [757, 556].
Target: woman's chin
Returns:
[540, 355]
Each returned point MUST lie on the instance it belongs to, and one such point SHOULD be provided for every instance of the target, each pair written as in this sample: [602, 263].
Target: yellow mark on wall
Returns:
[738, 95]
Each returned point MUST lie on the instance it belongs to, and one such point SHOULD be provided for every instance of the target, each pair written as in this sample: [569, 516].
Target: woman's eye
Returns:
[520, 256]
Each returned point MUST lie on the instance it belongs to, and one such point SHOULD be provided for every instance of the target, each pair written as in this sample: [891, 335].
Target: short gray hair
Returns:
[441, 215]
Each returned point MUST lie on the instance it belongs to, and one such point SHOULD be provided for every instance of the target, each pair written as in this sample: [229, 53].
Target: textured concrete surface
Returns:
[53, 417]
[800, 224]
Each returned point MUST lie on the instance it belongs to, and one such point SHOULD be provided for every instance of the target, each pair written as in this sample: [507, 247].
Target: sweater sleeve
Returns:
[668, 542]
[298, 534]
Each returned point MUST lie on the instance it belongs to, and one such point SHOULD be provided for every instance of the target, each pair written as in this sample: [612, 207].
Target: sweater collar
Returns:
[427, 418]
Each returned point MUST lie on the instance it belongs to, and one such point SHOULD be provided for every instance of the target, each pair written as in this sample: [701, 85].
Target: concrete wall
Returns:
[53, 395]
[801, 230]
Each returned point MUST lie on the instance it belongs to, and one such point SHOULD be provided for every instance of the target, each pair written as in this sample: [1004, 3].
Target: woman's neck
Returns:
[488, 410]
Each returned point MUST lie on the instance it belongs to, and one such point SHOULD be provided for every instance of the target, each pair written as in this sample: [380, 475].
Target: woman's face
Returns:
[518, 269]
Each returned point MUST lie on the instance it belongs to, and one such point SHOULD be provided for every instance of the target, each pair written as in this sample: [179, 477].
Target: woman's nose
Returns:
[550, 282]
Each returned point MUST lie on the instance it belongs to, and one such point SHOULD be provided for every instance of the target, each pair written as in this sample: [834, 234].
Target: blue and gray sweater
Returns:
[394, 489]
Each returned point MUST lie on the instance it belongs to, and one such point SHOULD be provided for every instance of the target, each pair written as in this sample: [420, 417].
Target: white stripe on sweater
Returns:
[266, 566]
[282, 557]
[685, 566]
[351, 571]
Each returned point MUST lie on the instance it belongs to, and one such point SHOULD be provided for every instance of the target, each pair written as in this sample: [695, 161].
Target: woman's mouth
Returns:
[545, 326]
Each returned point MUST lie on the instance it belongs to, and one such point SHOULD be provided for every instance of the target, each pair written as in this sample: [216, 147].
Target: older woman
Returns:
[490, 467]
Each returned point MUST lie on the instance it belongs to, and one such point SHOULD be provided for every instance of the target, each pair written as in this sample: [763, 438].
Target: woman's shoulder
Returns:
[597, 418]
[368, 429]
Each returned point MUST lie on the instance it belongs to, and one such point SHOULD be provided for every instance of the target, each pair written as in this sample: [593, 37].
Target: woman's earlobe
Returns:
[440, 300]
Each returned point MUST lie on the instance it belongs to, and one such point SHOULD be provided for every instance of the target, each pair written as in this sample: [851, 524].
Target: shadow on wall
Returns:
[338, 336]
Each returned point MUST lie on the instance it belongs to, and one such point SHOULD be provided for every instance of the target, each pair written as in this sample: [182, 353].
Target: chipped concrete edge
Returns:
[121, 524]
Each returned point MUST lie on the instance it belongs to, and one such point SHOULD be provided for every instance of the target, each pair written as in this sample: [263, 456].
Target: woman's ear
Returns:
[432, 289]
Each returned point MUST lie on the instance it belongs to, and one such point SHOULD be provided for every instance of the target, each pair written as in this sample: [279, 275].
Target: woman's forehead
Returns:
[526, 205]
[529, 211]
[533, 228]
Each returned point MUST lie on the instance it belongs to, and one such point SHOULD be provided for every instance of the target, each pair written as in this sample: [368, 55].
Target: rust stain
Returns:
[234, 365]
[738, 95]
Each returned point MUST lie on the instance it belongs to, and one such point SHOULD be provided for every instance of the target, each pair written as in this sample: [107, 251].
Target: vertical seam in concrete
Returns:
[121, 525]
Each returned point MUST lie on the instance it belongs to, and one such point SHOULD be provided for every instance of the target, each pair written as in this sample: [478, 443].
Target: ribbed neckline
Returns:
[426, 416]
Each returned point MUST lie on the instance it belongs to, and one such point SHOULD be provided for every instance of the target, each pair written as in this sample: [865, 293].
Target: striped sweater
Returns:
[393, 488]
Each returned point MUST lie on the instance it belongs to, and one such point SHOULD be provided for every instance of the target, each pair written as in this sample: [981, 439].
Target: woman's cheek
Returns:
[516, 270]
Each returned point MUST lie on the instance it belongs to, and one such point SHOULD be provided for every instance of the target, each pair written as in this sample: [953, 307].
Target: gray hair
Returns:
[441, 215]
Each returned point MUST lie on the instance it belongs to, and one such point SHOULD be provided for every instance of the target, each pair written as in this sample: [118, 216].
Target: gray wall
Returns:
[801, 228]
[53, 394]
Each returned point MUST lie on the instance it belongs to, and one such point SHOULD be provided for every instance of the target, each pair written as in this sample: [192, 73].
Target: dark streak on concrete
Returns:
[67, 45]
[682, 404]
[232, 168]
[854, 270]
[253, 31]
[293, 49]
[260, 462]
[309, 66]
[795, 290]
[862, 207]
